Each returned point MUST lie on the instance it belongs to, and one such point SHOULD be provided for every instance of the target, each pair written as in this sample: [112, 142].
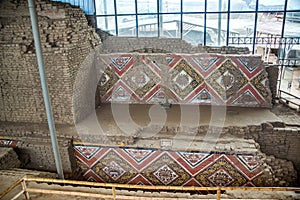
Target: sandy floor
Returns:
[115, 118]
[186, 114]
[108, 119]
[6, 182]
[148, 121]
[287, 115]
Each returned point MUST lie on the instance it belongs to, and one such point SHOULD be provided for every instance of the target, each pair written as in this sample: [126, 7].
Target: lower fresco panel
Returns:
[8, 142]
[170, 168]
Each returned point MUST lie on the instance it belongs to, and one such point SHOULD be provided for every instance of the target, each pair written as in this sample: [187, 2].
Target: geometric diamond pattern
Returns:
[138, 154]
[91, 179]
[165, 174]
[227, 80]
[186, 79]
[260, 83]
[205, 62]
[249, 161]
[169, 59]
[182, 80]
[120, 94]
[194, 158]
[202, 97]
[87, 151]
[165, 171]
[250, 63]
[221, 173]
[165, 167]
[158, 97]
[113, 170]
[141, 79]
[121, 63]
[221, 178]
[246, 98]
[108, 79]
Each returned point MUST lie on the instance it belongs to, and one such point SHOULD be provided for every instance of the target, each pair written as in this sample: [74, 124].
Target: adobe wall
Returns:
[8, 158]
[283, 143]
[33, 145]
[114, 44]
[66, 40]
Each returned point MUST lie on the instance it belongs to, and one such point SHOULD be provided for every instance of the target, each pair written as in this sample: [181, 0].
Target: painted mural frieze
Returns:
[164, 167]
[199, 79]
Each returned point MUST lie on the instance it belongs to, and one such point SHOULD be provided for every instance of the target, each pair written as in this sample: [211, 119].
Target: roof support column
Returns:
[40, 61]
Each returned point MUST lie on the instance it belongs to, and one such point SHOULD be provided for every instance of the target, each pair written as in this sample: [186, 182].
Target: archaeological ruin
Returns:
[151, 111]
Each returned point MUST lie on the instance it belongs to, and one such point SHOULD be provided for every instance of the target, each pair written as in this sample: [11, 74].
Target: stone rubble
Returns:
[8, 158]
[283, 170]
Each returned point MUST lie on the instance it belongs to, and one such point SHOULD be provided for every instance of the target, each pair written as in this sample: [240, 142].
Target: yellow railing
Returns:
[26, 190]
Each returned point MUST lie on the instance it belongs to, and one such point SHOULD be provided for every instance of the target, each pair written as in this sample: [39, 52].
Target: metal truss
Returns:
[264, 40]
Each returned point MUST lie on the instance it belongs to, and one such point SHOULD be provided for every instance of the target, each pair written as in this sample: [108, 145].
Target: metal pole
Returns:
[160, 19]
[219, 23]
[228, 23]
[136, 19]
[205, 19]
[105, 13]
[116, 17]
[37, 43]
[284, 18]
[181, 19]
[255, 26]
[95, 18]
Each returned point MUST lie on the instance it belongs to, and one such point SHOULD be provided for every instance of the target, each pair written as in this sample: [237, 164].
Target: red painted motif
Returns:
[199, 79]
[161, 167]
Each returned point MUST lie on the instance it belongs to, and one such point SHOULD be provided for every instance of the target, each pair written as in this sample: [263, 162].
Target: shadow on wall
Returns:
[85, 85]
